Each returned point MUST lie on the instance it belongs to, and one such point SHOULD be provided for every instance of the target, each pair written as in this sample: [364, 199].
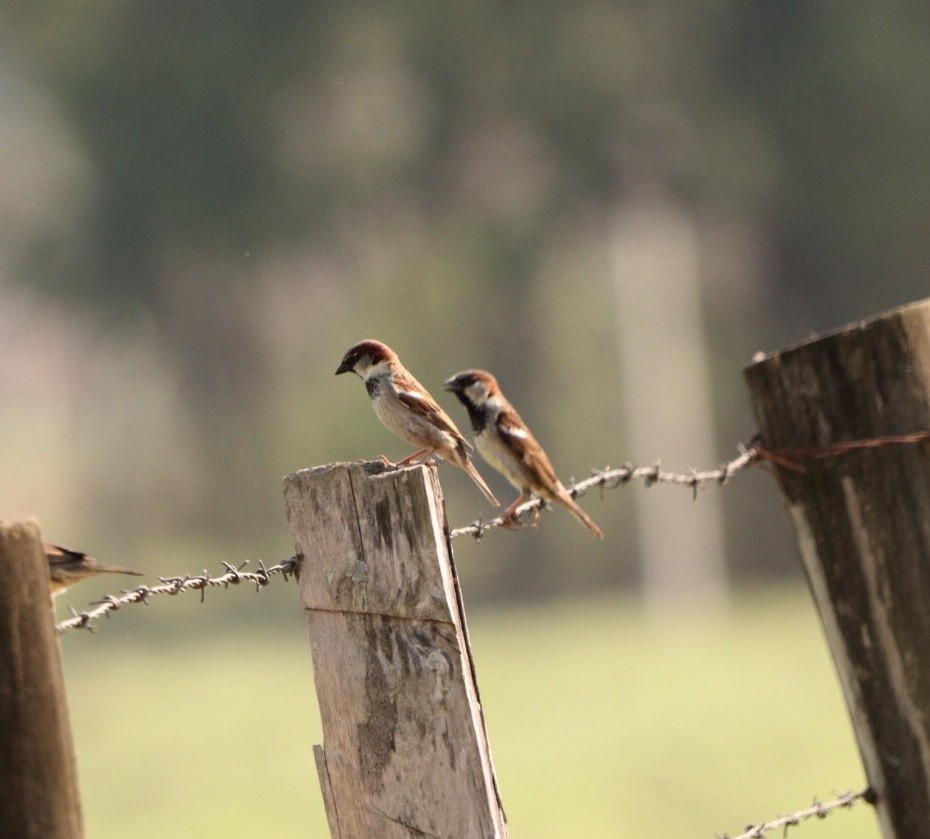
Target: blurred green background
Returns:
[612, 206]
[602, 724]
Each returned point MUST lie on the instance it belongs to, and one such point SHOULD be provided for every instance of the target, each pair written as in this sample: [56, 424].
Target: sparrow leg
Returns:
[412, 457]
[386, 462]
[511, 519]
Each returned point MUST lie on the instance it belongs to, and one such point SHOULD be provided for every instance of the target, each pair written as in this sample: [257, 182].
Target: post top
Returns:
[919, 308]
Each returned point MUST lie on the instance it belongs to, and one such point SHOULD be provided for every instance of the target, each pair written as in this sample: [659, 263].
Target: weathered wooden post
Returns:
[405, 749]
[38, 779]
[861, 514]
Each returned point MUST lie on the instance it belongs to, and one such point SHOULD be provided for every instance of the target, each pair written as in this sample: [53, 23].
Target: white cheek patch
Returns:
[478, 393]
[366, 369]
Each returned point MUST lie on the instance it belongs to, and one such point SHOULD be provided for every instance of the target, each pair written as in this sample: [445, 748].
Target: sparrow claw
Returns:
[514, 520]
[511, 522]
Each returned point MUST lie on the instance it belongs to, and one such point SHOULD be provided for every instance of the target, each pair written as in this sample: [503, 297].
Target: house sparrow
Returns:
[509, 446]
[405, 407]
[67, 567]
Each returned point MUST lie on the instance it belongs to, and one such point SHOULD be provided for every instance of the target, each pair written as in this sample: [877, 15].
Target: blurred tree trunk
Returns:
[665, 387]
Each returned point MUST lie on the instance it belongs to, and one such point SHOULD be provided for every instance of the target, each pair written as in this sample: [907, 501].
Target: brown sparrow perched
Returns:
[405, 407]
[509, 446]
[67, 567]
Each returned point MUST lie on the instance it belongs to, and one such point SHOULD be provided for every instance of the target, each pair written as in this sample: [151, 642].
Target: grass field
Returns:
[602, 724]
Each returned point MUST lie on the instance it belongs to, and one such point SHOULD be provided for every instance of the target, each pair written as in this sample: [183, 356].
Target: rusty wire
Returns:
[818, 810]
[608, 478]
[177, 585]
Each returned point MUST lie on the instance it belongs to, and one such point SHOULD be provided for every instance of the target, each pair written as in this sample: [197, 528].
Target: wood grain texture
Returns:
[405, 749]
[38, 779]
[862, 520]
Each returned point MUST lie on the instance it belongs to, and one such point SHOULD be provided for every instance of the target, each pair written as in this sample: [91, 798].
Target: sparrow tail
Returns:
[66, 574]
[469, 467]
[116, 569]
[583, 517]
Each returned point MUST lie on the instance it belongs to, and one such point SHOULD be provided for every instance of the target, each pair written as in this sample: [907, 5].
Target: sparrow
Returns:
[405, 407]
[506, 443]
[67, 567]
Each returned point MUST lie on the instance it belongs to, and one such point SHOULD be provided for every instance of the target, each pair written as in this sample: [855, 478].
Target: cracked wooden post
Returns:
[38, 778]
[862, 520]
[405, 749]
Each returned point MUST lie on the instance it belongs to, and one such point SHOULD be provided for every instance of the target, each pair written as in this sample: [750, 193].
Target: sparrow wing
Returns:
[416, 397]
[523, 444]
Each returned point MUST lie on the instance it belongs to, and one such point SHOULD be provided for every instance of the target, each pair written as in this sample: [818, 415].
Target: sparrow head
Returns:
[365, 356]
[473, 387]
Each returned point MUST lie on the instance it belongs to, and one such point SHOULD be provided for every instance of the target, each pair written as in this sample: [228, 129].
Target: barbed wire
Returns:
[177, 585]
[816, 810]
[754, 452]
[608, 478]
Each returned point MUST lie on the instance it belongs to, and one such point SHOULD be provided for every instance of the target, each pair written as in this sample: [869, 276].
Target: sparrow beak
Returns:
[345, 367]
[451, 385]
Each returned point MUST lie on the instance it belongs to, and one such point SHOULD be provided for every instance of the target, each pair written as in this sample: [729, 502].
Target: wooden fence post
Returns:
[862, 519]
[38, 779]
[405, 749]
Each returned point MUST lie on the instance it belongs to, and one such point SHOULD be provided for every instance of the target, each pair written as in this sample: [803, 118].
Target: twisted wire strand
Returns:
[608, 478]
[178, 585]
[818, 810]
